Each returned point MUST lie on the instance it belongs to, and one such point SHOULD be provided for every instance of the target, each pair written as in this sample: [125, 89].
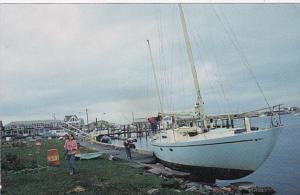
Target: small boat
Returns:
[87, 156]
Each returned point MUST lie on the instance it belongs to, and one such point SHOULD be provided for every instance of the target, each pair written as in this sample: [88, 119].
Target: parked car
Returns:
[60, 133]
[55, 133]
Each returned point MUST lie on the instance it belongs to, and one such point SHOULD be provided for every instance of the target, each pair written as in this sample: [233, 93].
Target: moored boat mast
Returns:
[199, 108]
[155, 78]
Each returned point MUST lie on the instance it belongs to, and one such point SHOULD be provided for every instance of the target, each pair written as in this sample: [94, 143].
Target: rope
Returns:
[235, 42]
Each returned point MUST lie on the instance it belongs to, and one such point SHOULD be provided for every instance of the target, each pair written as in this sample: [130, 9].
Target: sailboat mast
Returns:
[199, 102]
[155, 77]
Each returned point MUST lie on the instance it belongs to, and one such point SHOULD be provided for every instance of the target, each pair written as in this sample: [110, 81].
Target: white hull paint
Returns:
[243, 151]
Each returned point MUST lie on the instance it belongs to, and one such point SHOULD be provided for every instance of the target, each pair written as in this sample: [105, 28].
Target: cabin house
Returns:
[74, 120]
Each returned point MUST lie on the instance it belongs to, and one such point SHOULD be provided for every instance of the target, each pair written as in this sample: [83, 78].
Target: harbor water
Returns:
[280, 171]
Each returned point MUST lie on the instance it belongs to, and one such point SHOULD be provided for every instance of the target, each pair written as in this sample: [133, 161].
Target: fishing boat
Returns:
[212, 145]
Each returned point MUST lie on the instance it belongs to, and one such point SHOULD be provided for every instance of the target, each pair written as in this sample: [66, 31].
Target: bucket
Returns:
[38, 147]
[53, 157]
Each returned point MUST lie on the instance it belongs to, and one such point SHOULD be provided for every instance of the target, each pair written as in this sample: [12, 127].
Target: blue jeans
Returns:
[71, 162]
[128, 152]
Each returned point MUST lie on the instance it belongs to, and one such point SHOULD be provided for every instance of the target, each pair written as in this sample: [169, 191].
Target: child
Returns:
[71, 148]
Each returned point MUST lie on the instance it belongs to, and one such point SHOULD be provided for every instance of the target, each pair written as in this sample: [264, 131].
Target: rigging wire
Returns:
[217, 62]
[207, 74]
[204, 65]
[235, 42]
[159, 71]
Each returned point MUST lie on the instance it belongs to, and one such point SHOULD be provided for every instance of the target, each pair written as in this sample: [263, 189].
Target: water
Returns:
[281, 170]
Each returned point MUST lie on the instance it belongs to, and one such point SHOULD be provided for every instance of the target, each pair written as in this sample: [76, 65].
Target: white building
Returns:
[74, 120]
[33, 127]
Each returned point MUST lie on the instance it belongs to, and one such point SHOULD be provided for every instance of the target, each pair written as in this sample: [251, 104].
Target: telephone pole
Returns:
[87, 118]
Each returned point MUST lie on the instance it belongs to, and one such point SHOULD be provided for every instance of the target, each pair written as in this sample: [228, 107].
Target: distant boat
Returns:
[217, 151]
[297, 114]
[262, 115]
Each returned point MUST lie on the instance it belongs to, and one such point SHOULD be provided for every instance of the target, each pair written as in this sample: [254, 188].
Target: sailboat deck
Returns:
[187, 134]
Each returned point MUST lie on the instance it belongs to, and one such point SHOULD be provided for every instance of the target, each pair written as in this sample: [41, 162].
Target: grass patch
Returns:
[97, 176]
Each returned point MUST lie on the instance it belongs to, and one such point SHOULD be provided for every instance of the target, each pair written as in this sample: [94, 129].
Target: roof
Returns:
[68, 117]
[32, 122]
[140, 120]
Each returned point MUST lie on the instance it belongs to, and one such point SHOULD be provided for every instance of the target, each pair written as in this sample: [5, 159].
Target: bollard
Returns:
[53, 157]
[38, 147]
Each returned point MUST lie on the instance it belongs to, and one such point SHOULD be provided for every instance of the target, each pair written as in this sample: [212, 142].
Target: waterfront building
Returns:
[29, 128]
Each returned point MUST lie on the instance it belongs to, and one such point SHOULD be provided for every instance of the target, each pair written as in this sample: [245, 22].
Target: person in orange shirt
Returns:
[71, 148]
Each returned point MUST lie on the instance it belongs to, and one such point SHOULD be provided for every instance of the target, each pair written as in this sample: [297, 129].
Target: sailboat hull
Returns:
[209, 174]
[229, 157]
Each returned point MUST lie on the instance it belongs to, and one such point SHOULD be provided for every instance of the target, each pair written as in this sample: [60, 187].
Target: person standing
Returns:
[71, 148]
[126, 144]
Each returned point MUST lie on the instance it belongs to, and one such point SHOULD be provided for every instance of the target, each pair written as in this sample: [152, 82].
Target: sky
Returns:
[63, 58]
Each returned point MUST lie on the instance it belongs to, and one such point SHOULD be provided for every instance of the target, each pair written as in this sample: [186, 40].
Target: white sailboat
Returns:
[216, 152]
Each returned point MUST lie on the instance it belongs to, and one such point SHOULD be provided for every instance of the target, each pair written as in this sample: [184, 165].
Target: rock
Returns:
[167, 172]
[205, 189]
[209, 188]
[154, 171]
[182, 186]
[262, 190]
[191, 184]
[243, 185]
[76, 189]
[137, 166]
[181, 181]
[144, 166]
[218, 190]
[110, 157]
[147, 174]
[250, 188]
[170, 183]
[192, 189]
[153, 191]
[177, 191]
[226, 189]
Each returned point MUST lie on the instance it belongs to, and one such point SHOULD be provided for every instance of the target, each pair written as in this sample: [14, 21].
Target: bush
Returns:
[13, 162]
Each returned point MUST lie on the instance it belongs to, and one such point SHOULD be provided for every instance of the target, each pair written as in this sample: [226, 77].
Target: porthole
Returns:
[161, 149]
[171, 149]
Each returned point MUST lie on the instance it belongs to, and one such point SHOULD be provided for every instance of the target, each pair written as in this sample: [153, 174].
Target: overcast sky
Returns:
[64, 58]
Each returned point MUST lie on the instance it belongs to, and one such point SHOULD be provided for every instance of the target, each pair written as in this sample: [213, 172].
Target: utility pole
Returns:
[87, 118]
[96, 123]
[132, 117]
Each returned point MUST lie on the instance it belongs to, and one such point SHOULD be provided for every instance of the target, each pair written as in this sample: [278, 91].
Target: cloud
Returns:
[62, 58]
